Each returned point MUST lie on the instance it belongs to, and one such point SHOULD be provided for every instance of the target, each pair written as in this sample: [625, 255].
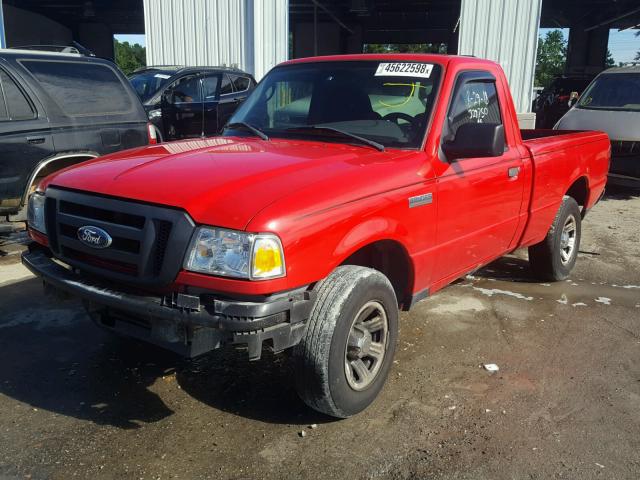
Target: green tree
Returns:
[551, 58]
[129, 57]
[609, 62]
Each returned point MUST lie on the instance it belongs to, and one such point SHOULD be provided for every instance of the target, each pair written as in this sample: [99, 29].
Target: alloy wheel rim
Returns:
[568, 239]
[366, 345]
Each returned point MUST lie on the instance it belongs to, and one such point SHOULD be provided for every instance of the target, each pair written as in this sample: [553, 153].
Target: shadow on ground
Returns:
[510, 269]
[56, 359]
[616, 192]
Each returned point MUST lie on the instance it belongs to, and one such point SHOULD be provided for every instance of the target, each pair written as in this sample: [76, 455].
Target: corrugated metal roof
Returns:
[250, 34]
[505, 31]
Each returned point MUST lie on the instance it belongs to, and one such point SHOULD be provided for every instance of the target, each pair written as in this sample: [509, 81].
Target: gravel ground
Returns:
[78, 403]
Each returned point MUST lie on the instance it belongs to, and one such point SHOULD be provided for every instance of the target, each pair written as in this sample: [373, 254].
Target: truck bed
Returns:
[559, 156]
[536, 138]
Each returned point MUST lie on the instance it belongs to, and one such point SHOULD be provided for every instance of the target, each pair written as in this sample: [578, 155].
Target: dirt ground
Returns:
[77, 403]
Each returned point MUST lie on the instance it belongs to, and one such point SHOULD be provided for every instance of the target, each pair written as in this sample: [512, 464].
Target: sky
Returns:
[623, 45]
[132, 39]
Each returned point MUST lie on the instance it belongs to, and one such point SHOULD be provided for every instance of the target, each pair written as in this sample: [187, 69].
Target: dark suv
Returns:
[57, 110]
[553, 102]
[187, 102]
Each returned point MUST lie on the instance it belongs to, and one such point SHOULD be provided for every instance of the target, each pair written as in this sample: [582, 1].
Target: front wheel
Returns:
[344, 357]
[554, 257]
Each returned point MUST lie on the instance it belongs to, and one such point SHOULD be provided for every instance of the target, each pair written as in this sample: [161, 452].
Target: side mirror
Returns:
[475, 140]
[573, 99]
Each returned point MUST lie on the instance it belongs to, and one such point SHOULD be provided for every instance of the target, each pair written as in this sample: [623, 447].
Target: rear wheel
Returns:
[343, 360]
[554, 257]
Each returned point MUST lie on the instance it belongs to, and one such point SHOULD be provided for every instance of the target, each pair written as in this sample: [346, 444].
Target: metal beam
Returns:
[332, 15]
[315, 30]
[611, 20]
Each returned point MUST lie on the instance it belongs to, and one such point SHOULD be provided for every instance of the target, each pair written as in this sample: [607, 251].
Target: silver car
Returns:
[611, 103]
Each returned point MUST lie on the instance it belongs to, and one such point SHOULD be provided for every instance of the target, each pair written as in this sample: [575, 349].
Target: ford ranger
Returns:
[344, 189]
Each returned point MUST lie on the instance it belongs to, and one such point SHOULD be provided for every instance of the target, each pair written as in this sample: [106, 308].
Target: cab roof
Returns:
[394, 57]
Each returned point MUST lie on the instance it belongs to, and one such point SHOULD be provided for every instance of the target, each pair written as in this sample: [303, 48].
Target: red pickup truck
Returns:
[343, 189]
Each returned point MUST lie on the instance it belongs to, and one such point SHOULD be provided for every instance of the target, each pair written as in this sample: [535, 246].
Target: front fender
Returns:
[370, 231]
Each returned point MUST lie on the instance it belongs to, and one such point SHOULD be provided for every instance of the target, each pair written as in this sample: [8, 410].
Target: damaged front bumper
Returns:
[189, 324]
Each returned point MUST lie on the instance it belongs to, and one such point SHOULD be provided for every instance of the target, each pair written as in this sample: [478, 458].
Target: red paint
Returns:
[327, 200]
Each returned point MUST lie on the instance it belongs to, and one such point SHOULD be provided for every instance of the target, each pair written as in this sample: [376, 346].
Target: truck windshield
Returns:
[613, 91]
[146, 84]
[386, 102]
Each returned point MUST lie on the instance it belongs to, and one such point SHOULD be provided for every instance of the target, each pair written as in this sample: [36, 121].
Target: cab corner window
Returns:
[474, 102]
[17, 106]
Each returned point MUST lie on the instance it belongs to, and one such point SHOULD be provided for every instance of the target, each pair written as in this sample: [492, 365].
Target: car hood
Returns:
[222, 181]
[619, 125]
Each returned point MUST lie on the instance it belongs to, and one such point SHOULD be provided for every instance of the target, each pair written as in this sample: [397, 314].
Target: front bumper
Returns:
[188, 324]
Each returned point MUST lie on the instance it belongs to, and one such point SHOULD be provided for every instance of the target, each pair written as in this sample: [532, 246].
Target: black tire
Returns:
[320, 358]
[548, 259]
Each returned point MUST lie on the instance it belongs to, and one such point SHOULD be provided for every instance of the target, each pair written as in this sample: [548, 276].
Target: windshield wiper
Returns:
[256, 131]
[366, 141]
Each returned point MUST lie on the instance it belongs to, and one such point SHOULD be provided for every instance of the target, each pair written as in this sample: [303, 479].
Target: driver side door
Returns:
[479, 199]
[183, 108]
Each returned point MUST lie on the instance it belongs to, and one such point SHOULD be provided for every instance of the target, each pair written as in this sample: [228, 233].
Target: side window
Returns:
[475, 102]
[187, 90]
[210, 87]
[82, 88]
[226, 87]
[240, 84]
[17, 106]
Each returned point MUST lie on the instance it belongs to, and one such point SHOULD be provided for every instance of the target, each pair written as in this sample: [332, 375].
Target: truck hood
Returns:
[220, 181]
[619, 125]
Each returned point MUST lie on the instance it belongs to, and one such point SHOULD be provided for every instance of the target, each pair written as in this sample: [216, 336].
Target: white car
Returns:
[611, 103]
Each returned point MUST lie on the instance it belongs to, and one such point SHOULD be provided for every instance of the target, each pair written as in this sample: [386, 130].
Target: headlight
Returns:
[35, 212]
[231, 253]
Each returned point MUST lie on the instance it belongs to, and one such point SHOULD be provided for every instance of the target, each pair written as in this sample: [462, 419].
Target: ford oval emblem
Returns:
[94, 237]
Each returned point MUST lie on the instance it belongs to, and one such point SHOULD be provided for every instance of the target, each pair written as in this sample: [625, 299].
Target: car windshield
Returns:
[386, 102]
[613, 91]
[146, 84]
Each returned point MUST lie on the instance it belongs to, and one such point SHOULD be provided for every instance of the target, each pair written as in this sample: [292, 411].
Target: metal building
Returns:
[254, 34]
[250, 34]
[505, 31]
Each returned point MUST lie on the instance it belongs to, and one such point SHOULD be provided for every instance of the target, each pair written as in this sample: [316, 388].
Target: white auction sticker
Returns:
[161, 75]
[400, 69]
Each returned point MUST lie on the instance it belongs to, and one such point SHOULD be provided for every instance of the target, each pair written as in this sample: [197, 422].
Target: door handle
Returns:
[513, 172]
[35, 140]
